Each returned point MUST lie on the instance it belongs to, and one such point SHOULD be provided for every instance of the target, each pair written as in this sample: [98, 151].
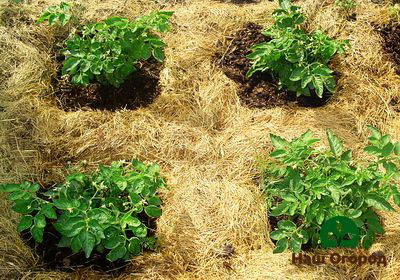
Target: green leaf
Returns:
[48, 211]
[154, 200]
[335, 143]
[75, 228]
[372, 150]
[88, 242]
[76, 244]
[146, 51]
[368, 239]
[320, 216]
[305, 81]
[277, 234]
[25, 223]
[295, 243]
[153, 211]
[40, 221]
[375, 226]
[278, 153]
[387, 149]
[140, 231]
[135, 246]
[396, 199]
[335, 194]
[128, 219]
[346, 156]
[304, 236]
[354, 213]
[287, 225]
[135, 198]
[116, 253]
[16, 195]
[65, 242]
[378, 202]
[281, 245]
[37, 234]
[397, 148]
[9, 187]
[281, 208]
[289, 197]
[391, 169]
[114, 241]
[374, 132]
[278, 142]
[126, 69]
[70, 65]
[24, 206]
[297, 74]
[158, 54]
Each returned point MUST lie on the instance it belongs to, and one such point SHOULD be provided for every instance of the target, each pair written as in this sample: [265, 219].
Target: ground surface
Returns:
[214, 224]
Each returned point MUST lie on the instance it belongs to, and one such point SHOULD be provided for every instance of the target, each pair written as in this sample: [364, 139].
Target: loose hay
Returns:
[205, 141]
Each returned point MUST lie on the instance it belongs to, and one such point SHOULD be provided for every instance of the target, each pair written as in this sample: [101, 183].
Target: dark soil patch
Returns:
[391, 41]
[395, 103]
[352, 17]
[261, 90]
[56, 258]
[139, 90]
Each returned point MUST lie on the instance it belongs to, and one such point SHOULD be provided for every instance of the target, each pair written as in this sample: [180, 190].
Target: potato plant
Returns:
[306, 186]
[394, 12]
[346, 5]
[298, 60]
[108, 51]
[103, 211]
[60, 14]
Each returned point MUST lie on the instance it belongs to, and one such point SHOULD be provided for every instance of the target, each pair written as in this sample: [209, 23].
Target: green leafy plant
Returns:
[60, 14]
[109, 50]
[394, 12]
[103, 211]
[306, 186]
[298, 60]
[346, 5]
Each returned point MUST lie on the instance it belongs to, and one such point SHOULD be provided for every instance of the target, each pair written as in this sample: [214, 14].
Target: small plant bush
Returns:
[346, 5]
[109, 50]
[394, 12]
[306, 186]
[103, 211]
[298, 60]
[60, 14]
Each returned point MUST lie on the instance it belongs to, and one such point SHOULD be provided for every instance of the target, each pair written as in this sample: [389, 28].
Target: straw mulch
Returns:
[197, 130]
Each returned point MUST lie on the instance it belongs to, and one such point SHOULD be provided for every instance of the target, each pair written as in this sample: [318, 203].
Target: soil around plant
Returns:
[53, 257]
[261, 90]
[391, 41]
[139, 90]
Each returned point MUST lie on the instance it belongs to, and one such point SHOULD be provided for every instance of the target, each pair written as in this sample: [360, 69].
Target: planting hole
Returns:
[260, 90]
[139, 90]
[391, 42]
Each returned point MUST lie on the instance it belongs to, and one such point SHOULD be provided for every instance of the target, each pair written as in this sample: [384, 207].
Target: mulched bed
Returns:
[391, 41]
[139, 90]
[260, 90]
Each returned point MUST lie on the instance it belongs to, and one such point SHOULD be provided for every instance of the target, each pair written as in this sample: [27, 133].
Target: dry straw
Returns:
[205, 141]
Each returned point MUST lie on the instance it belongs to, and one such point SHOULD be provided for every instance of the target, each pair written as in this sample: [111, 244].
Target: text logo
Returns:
[339, 232]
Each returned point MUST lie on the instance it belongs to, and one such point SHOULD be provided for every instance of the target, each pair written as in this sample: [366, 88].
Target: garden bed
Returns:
[391, 42]
[139, 90]
[261, 90]
[215, 224]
